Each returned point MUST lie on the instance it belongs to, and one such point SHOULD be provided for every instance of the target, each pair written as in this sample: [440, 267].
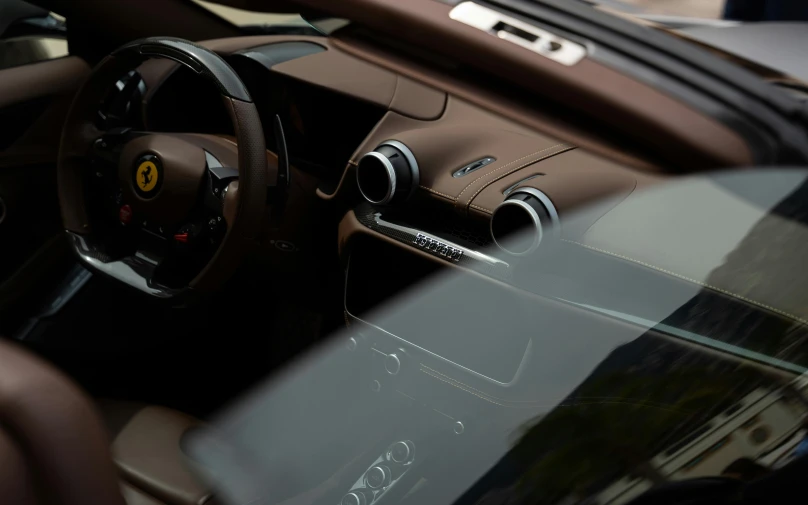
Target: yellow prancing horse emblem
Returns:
[146, 176]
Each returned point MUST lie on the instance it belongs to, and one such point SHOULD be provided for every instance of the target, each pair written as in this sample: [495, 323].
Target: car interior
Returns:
[187, 205]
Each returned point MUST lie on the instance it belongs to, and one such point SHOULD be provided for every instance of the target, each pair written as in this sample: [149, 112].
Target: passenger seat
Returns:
[55, 449]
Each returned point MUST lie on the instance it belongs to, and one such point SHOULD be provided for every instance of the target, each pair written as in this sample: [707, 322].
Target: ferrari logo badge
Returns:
[147, 176]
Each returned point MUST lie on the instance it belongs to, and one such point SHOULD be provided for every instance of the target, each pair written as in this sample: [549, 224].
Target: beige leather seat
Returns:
[55, 448]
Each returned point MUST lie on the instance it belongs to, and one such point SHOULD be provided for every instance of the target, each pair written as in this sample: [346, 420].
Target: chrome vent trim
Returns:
[429, 239]
[510, 189]
[474, 166]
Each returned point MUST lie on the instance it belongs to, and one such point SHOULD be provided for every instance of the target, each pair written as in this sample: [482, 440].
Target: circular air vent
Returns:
[522, 221]
[388, 174]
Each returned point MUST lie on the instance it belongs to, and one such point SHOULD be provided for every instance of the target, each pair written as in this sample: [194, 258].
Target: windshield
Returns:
[730, 10]
[259, 22]
[654, 353]
[764, 36]
[241, 17]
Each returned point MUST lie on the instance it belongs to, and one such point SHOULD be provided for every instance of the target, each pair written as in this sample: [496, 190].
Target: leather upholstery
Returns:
[53, 427]
[52, 82]
[332, 69]
[571, 180]
[54, 447]
[595, 89]
[50, 78]
[16, 481]
[462, 135]
[135, 496]
[346, 74]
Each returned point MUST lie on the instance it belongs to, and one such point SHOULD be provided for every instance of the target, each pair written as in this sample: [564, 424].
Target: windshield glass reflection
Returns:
[655, 353]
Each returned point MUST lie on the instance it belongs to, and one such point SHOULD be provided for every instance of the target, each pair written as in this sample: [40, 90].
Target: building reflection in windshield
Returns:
[624, 432]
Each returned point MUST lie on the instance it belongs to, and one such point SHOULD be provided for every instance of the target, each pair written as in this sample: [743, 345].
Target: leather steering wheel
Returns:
[156, 211]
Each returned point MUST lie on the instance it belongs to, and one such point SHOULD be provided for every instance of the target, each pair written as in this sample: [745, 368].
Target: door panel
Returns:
[34, 100]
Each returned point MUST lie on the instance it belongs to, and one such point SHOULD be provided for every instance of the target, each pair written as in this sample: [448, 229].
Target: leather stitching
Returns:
[437, 193]
[505, 166]
[487, 211]
[694, 281]
[565, 148]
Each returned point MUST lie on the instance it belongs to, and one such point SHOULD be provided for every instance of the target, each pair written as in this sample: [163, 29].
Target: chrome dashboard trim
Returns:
[510, 189]
[391, 178]
[470, 253]
[134, 271]
[430, 244]
[212, 161]
[548, 205]
[413, 163]
[534, 216]
[473, 166]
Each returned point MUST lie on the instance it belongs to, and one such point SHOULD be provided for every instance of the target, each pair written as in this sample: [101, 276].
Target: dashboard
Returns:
[489, 267]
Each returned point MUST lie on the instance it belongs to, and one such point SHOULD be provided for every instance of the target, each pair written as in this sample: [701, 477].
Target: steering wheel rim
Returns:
[243, 206]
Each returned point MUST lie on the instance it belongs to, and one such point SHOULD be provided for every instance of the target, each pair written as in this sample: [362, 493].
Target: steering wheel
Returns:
[157, 211]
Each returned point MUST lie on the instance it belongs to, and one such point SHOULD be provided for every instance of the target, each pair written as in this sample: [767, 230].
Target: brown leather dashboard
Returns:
[445, 133]
[331, 69]
[692, 140]
[446, 129]
[466, 133]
